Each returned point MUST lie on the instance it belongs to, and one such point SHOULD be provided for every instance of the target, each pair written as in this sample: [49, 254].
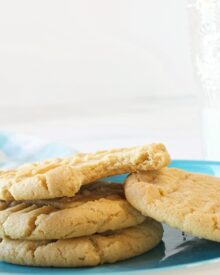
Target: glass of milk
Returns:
[205, 28]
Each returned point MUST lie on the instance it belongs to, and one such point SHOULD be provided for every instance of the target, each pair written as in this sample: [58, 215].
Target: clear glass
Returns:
[205, 29]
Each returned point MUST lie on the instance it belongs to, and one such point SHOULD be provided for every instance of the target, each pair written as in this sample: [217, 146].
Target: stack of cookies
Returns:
[60, 212]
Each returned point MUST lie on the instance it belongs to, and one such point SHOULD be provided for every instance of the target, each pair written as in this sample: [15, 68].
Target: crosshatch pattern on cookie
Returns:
[98, 207]
[64, 177]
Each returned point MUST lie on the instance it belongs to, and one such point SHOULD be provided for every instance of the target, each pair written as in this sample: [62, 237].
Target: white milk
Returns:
[211, 133]
[205, 29]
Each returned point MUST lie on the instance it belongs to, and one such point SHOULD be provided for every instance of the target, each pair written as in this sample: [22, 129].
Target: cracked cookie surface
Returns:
[184, 200]
[96, 208]
[64, 177]
[84, 251]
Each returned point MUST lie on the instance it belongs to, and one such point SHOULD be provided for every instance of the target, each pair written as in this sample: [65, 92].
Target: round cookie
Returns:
[187, 201]
[98, 207]
[84, 251]
[63, 177]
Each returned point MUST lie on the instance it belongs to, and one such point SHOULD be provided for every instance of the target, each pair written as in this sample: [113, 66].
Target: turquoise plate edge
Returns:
[200, 166]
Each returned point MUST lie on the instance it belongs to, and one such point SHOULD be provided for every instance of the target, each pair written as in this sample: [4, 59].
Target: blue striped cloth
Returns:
[16, 149]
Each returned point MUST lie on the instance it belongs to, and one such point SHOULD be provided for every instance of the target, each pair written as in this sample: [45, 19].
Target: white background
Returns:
[99, 73]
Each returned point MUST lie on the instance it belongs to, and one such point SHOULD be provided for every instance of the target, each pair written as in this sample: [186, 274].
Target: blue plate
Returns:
[175, 251]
